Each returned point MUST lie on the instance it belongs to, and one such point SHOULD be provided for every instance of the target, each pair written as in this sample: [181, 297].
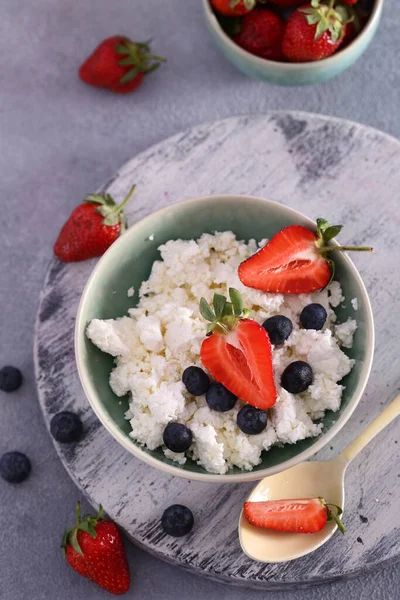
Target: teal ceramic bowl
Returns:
[292, 74]
[128, 262]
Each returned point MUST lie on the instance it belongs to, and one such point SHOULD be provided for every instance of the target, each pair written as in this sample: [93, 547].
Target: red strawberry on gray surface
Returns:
[94, 549]
[91, 229]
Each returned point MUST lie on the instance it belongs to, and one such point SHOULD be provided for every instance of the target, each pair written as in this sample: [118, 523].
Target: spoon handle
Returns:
[388, 415]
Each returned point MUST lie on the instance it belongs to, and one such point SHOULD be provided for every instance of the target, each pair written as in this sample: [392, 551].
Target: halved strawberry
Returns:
[295, 260]
[238, 351]
[305, 515]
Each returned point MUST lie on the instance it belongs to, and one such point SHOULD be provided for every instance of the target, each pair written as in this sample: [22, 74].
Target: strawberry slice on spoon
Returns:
[295, 260]
[237, 351]
[305, 515]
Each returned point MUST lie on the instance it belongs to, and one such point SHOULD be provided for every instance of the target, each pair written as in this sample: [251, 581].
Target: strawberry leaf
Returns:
[95, 199]
[322, 224]
[130, 75]
[228, 309]
[219, 302]
[333, 512]
[126, 61]
[237, 301]
[121, 49]
[152, 68]
[206, 311]
[112, 219]
[323, 25]
[332, 232]
[74, 542]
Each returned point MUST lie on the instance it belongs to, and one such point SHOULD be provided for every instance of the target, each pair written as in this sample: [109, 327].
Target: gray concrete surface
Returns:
[60, 139]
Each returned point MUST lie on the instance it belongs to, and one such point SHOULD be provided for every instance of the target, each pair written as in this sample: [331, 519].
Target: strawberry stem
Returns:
[346, 249]
[333, 515]
[124, 203]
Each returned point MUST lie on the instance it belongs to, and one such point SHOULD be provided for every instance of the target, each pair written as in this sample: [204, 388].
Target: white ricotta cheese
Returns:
[163, 335]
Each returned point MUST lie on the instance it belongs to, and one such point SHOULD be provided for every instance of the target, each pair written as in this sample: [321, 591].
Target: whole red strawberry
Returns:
[91, 229]
[262, 34]
[119, 65]
[233, 8]
[94, 548]
[314, 31]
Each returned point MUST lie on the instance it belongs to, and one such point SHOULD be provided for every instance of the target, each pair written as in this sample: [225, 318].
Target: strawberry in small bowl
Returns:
[292, 43]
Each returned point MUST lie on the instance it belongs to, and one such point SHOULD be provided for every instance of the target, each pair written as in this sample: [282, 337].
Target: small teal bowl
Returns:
[292, 74]
[128, 262]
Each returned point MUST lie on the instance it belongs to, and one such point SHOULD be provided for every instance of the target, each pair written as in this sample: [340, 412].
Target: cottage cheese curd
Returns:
[163, 335]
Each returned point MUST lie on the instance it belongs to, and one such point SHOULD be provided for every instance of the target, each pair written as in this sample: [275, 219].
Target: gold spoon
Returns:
[307, 480]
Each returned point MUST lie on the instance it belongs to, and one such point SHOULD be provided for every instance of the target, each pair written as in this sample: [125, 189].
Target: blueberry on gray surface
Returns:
[14, 467]
[177, 437]
[219, 398]
[251, 420]
[297, 377]
[278, 328]
[177, 520]
[196, 381]
[66, 427]
[10, 379]
[313, 316]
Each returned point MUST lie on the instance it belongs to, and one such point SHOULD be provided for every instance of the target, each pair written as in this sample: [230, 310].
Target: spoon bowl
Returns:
[306, 480]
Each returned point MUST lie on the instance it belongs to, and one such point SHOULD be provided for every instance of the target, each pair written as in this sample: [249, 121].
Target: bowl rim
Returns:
[287, 66]
[176, 470]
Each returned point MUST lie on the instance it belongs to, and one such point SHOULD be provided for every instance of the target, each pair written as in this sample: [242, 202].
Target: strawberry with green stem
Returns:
[305, 515]
[119, 65]
[314, 31]
[92, 227]
[94, 549]
[295, 260]
[237, 351]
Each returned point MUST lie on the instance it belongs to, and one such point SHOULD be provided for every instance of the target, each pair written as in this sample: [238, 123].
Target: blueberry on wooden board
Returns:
[177, 520]
[66, 427]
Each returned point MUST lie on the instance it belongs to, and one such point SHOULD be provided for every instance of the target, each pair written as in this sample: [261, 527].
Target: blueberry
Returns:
[177, 520]
[278, 328]
[313, 316]
[196, 381]
[251, 420]
[66, 427]
[219, 398]
[10, 379]
[297, 377]
[14, 467]
[177, 437]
